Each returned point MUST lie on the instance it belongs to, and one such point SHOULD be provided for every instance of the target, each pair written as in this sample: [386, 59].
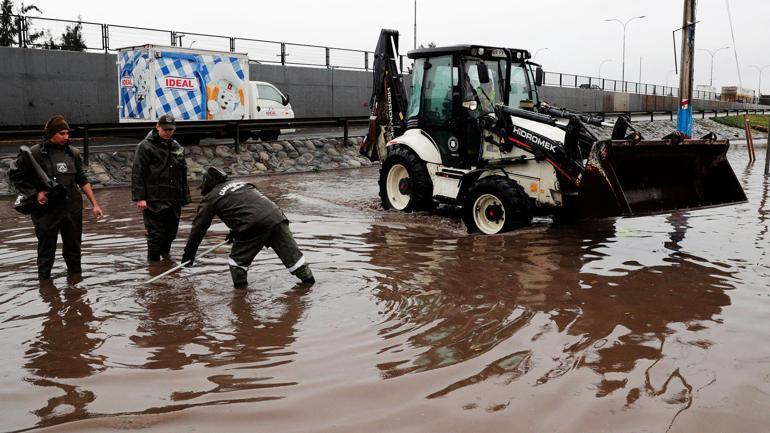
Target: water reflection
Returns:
[65, 349]
[546, 302]
[173, 319]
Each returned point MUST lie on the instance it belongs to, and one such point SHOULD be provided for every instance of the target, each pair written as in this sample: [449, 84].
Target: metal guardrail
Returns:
[558, 79]
[233, 128]
[110, 37]
[672, 114]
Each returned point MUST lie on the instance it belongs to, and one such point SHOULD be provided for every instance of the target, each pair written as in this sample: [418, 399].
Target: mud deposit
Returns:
[649, 324]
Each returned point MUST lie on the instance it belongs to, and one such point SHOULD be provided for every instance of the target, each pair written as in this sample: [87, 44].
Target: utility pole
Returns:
[684, 113]
[415, 25]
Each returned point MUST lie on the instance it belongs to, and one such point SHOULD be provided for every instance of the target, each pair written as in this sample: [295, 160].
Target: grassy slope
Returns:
[758, 121]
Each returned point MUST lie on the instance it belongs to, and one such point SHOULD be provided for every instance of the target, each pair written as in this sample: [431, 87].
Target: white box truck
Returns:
[195, 85]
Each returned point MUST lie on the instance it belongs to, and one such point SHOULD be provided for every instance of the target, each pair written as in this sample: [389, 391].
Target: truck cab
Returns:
[268, 102]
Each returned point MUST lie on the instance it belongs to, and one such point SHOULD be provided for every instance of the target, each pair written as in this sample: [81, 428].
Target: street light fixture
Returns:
[759, 87]
[624, 24]
[602, 64]
[537, 51]
[711, 79]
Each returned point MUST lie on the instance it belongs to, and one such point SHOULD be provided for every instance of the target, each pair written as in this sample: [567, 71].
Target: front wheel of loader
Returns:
[404, 182]
[496, 204]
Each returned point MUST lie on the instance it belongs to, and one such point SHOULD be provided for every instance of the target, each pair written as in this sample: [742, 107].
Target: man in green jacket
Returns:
[159, 186]
[254, 222]
[61, 214]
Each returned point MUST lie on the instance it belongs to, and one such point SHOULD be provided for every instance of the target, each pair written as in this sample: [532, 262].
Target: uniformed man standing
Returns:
[159, 186]
[57, 214]
[254, 222]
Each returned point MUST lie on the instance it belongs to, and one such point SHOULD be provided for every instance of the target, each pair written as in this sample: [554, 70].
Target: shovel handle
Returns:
[183, 264]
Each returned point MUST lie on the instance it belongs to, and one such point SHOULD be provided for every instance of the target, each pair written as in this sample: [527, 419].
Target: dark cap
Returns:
[54, 125]
[167, 121]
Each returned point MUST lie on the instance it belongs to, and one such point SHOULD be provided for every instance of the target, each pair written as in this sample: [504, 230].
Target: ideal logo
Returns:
[127, 82]
[181, 83]
[532, 138]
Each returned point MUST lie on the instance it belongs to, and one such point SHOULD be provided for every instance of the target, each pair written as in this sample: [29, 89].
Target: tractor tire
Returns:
[405, 184]
[496, 204]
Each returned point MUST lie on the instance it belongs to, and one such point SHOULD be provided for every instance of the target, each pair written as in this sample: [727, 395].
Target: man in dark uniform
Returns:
[254, 222]
[57, 214]
[159, 186]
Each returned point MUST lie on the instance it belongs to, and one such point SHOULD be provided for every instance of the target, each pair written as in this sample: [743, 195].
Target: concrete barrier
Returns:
[83, 87]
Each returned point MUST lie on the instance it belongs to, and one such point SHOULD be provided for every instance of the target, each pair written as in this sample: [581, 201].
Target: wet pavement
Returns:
[649, 324]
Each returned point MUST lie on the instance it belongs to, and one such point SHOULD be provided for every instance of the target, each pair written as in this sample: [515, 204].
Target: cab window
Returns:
[519, 86]
[414, 98]
[487, 94]
[437, 91]
[269, 92]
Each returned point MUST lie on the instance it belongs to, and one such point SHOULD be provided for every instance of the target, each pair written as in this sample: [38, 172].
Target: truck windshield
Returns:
[520, 86]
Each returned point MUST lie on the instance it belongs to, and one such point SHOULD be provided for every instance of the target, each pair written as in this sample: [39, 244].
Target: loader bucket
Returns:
[628, 178]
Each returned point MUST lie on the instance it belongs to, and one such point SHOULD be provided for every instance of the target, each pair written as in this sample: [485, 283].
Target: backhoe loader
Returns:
[474, 134]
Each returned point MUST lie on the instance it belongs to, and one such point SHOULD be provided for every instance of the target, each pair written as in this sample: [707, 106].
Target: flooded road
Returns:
[649, 324]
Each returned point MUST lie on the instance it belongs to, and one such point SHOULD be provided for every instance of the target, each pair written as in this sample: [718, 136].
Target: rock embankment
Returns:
[659, 128]
[254, 158]
[291, 156]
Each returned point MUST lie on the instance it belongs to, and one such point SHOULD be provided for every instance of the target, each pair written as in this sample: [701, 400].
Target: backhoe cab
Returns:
[473, 133]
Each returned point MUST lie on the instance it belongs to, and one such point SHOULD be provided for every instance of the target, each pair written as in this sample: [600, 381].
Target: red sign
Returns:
[179, 83]
[127, 82]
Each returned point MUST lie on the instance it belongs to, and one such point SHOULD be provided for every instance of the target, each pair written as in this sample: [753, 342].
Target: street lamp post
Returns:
[601, 65]
[537, 51]
[712, 53]
[624, 24]
[760, 70]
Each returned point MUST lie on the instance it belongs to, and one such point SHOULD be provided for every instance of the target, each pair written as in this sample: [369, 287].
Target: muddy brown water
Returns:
[649, 324]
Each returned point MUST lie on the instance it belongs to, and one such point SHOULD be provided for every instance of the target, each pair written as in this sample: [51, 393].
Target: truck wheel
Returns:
[404, 182]
[496, 204]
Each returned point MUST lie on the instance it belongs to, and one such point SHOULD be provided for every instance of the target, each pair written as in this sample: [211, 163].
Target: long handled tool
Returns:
[179, 266]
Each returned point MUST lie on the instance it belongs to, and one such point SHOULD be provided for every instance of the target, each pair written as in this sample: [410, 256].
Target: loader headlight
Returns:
[471, 105]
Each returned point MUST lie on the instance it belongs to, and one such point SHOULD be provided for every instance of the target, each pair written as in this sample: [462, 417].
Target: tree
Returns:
[72, 38]
[9, 25]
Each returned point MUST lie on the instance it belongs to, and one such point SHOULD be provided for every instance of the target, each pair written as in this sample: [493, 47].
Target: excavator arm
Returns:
[389, 100]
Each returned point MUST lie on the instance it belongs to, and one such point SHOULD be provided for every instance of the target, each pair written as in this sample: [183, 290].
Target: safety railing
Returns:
[558, 79]
[98, 37]
[110, 37]
[237, 129]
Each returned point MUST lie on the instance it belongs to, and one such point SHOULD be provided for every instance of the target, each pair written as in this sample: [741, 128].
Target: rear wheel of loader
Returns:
[404, 182]
[496, 204]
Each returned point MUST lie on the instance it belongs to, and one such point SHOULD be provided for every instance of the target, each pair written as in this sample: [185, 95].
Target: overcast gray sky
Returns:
[574, 33]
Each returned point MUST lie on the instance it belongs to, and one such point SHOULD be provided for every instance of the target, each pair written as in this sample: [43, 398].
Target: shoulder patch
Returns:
[232, 186]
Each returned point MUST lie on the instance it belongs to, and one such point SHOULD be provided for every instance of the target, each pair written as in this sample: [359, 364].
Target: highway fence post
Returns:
[767, 152]
[85, 144]
[237, 135]
[345, 132]
[749, 139]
